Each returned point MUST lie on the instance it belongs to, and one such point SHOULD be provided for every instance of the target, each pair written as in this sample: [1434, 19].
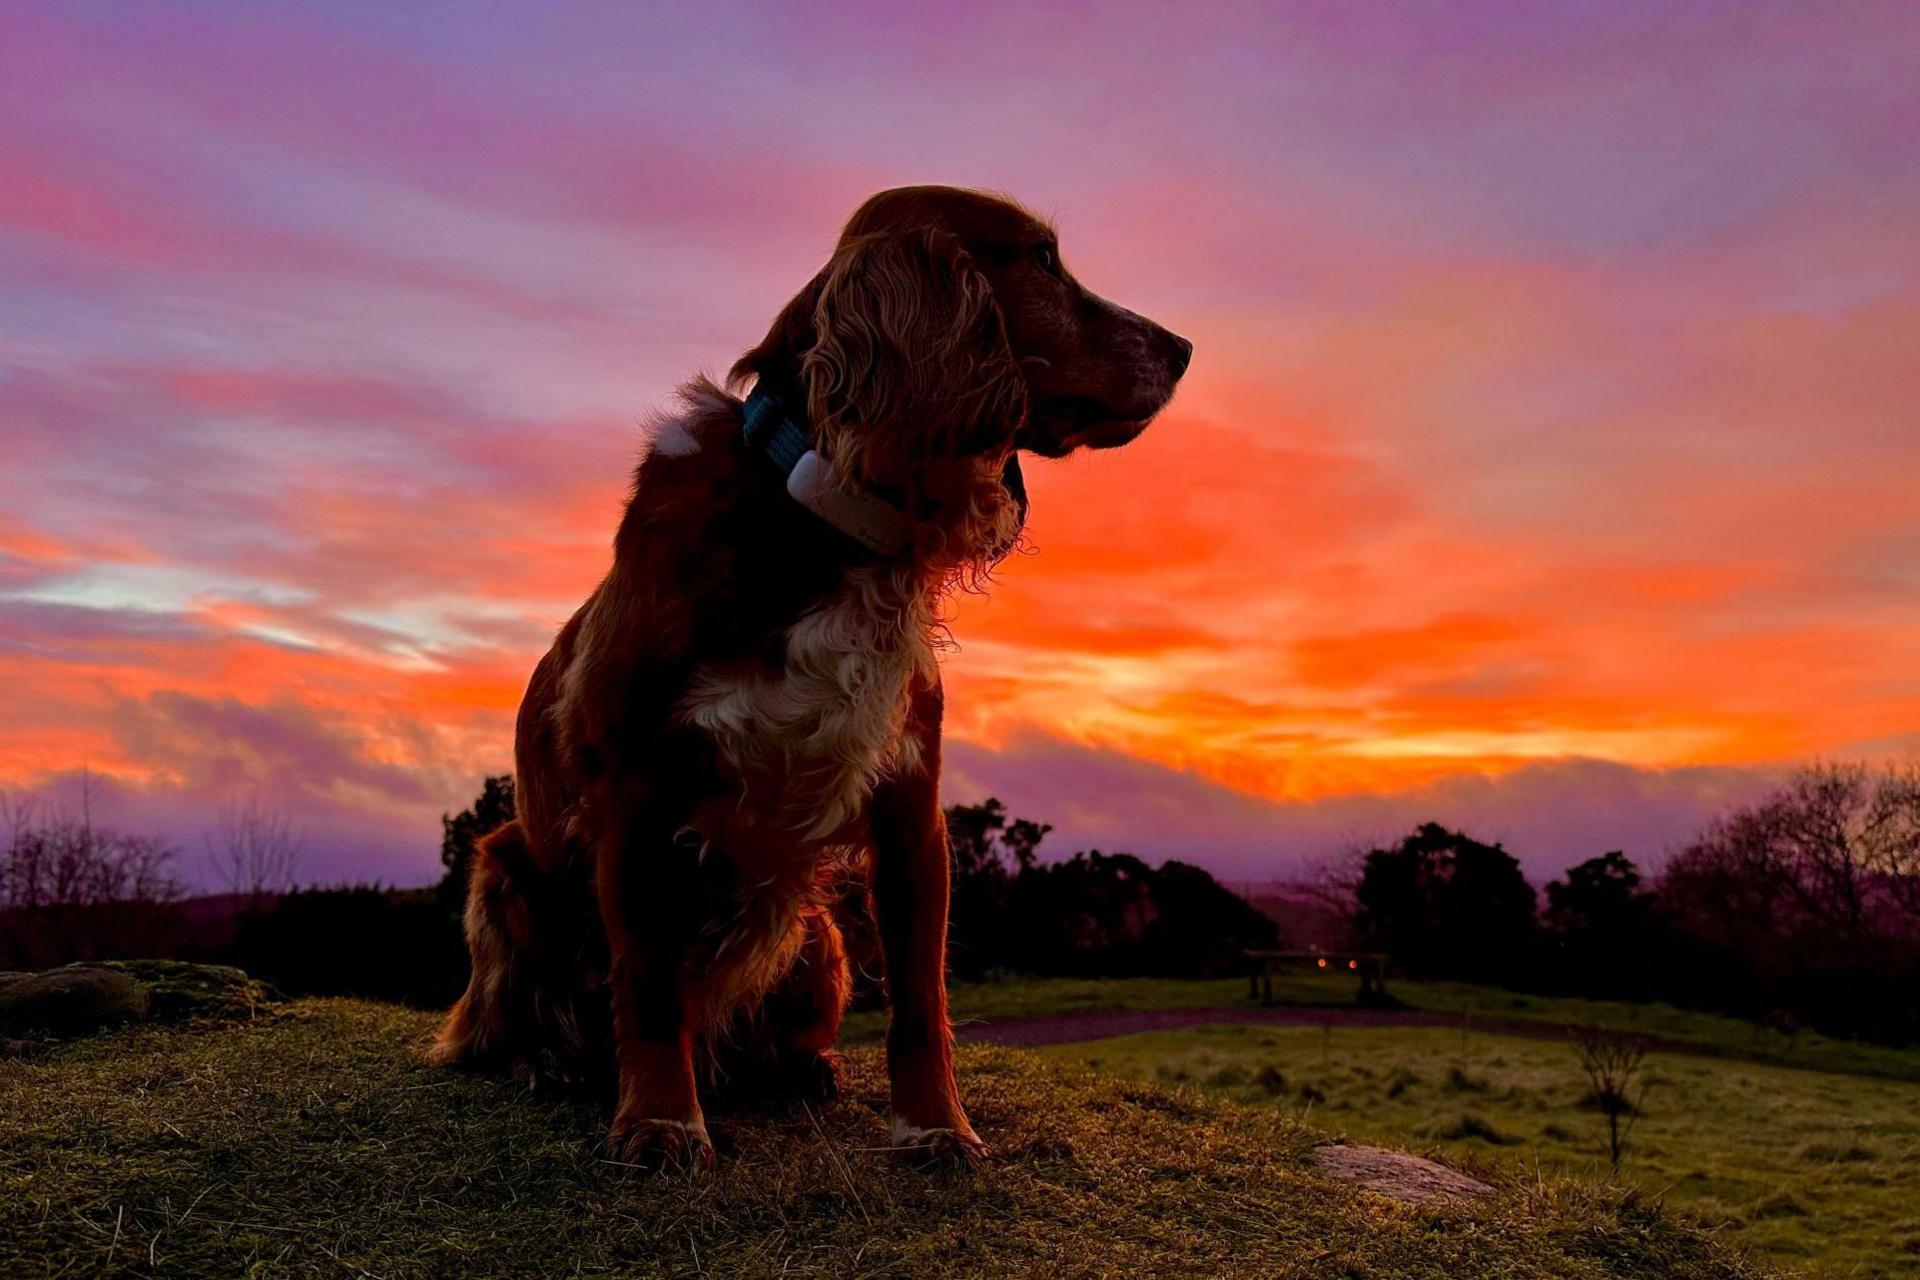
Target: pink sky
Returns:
[1548, 463]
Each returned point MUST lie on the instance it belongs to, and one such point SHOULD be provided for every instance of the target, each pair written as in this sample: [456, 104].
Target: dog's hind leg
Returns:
[534, 1002]
[783, 1049]
[805, 1011]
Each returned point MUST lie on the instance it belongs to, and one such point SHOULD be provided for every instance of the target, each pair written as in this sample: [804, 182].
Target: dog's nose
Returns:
[1182, 353]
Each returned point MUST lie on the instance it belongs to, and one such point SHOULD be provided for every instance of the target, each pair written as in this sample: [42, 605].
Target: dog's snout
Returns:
[1179, 351]
[1182, 353]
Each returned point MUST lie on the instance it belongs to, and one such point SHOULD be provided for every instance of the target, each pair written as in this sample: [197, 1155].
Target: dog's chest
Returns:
[808, 740]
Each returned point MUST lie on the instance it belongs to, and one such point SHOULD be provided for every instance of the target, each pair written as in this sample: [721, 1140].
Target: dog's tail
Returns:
[475, 1029]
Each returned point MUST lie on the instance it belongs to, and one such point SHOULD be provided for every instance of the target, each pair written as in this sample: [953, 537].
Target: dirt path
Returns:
[1069, 1028]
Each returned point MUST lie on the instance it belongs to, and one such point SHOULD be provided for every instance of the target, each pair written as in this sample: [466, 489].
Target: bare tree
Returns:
[19, 869]
[57, 858]
[1332, 881]
[1890, 836]
[1818, 826]
[74, 890]
[1615, 1066]
[1823, 865]
[255, 851]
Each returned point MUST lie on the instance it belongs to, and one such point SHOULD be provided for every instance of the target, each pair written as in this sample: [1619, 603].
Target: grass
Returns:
[312, 1141]
[1814, 1169]
[1707, 1033]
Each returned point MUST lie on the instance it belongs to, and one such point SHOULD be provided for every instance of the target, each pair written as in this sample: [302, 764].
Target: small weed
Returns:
[1226, 1077]
[1781, 1204]
[1836, 1152]
[1469, 1127]
[1461, 1081]
[1614, 1062]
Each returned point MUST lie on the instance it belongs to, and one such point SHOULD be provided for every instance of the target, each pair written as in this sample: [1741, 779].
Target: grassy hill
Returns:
[312, 1142]
[1811, 1168]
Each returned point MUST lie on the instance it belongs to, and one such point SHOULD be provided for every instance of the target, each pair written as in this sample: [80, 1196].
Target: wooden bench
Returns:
[1370, 967]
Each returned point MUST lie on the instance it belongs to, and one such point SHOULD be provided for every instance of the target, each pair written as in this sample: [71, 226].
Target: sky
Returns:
[1547, 465]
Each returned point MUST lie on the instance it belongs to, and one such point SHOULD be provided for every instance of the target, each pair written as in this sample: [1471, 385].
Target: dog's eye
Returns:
[1045, 259]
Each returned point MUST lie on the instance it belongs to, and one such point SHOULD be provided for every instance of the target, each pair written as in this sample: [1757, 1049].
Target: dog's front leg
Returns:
[910, 887]
[649, 902]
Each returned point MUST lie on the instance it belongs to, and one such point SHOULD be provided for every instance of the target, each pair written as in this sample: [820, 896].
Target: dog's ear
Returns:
[776, 361]
[909, 359]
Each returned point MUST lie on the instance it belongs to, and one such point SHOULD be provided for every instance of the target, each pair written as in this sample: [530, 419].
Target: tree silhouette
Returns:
[1603, 927]
[1091, 914]
[491, 809]
[1444, 904]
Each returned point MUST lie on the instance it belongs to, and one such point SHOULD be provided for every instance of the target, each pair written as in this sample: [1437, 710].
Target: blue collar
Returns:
[773, 431]
[861, 514]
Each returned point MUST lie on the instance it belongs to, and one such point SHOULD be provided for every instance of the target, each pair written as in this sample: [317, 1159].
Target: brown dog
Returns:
[750, 702]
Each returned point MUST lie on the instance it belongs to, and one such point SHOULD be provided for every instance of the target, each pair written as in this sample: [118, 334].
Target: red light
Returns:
[1353, 964]
[1322, 962]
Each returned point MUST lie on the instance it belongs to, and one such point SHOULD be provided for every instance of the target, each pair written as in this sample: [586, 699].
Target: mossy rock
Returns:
[79, 999]
[178, 991]
[73, 1001]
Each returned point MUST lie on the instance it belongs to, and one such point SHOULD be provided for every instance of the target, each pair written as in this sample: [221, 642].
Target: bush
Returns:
[1092, 915]
[361, 940]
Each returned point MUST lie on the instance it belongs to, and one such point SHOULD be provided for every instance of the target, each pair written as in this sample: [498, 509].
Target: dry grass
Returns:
[313, 1142]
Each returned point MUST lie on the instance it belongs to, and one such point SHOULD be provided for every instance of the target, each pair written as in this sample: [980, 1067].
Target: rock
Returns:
[1396, 1174]
[71, 1001]
[178, 991]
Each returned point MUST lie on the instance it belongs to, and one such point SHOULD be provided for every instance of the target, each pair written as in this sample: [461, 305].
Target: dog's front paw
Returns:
[662, 1146]
[814, 1078]
[955, 1147]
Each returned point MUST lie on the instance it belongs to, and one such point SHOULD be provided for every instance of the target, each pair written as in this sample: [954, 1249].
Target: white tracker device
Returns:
[865, 517]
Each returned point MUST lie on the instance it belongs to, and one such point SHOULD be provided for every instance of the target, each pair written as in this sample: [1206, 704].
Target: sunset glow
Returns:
[1549, 458]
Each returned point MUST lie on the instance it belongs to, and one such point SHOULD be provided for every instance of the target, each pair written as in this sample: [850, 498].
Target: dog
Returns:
[747, 709]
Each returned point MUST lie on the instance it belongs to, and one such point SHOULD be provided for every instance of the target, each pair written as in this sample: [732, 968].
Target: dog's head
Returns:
[947, 327]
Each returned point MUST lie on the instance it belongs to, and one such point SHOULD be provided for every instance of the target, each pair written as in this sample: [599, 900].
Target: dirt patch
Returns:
[1406, 1178]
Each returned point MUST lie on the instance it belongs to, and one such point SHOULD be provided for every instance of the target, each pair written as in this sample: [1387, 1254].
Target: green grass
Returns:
[313, 1142]
[1702, 1032]
[1814, 1169]
[1019, 997]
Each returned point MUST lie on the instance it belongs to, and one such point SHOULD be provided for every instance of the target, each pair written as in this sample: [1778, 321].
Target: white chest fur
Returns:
[829, 724]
